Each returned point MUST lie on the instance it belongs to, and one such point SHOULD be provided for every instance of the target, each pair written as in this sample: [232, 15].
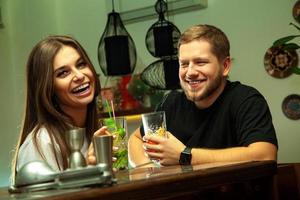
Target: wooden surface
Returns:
[248, 180]
[288, 181]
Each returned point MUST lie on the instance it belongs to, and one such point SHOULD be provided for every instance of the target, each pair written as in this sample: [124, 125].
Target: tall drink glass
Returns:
[118, 127]
[155, 124]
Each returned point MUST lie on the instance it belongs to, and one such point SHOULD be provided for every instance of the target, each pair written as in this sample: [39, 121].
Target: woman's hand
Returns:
[91, 158]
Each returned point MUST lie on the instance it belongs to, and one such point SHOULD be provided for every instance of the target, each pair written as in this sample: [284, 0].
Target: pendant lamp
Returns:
[161, 41]
[162, 74]
[116, 49]
[162, 36]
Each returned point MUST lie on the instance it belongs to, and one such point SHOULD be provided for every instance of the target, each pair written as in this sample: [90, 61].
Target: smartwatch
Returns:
[185, 156]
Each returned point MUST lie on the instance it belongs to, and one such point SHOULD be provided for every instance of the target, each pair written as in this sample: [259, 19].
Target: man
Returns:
[213, 119]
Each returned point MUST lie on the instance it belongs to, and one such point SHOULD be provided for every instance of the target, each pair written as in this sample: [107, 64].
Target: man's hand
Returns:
[166, 150]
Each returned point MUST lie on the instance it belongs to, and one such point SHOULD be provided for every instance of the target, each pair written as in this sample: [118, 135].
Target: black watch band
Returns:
[185, 156]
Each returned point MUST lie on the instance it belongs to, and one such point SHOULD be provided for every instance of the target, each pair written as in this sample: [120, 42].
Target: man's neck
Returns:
[208, 101]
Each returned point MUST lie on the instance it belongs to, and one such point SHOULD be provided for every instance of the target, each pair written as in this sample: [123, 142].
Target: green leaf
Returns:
[121, 132]
[122, 159]
[291, 46]
[296, 70]
[109, 122]
[284, 40]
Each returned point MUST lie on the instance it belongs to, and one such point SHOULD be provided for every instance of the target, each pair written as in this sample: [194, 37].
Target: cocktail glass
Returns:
[118, 127]
[155, 124]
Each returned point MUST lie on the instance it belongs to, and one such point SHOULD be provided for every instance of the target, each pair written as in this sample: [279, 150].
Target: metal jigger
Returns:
[75, 139]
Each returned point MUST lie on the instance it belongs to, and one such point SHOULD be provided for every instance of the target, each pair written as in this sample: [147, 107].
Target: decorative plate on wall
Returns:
[291, 106]
[296, 11]
[279, 62]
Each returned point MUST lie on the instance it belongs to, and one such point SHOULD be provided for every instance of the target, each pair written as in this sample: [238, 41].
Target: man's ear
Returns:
[226, 66]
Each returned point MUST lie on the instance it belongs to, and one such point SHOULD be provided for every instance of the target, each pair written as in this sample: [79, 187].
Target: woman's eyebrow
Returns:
[80, 59]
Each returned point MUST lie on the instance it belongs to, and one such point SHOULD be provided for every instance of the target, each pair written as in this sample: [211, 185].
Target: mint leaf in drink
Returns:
[122, 160]
[109, 122]
[121, 132]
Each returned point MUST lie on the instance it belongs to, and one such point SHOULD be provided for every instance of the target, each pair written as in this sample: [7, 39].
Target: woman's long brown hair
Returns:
[41, 108]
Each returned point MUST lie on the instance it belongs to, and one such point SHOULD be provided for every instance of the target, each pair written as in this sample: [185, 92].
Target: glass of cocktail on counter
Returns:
[118, 128]
[155, 124]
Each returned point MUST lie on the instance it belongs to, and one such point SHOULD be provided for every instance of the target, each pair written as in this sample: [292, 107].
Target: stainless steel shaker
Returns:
[75, 140]
[103, 149]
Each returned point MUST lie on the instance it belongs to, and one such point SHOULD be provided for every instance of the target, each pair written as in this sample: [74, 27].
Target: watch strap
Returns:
[187, 150]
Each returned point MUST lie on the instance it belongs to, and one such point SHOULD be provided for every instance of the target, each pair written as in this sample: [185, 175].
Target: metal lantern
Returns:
[162, 74]
[162, 36]
[161, 41]
[116, 49]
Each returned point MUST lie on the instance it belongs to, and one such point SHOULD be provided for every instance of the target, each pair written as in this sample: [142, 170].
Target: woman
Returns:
[62, 87]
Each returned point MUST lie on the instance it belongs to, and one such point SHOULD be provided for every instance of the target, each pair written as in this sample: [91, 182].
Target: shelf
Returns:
[174, 7]
[127, 112]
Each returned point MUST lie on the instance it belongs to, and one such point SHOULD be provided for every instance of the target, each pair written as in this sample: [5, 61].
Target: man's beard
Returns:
[208, 91]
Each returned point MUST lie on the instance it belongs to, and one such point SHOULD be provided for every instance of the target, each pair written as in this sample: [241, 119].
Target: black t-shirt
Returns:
[239, 117]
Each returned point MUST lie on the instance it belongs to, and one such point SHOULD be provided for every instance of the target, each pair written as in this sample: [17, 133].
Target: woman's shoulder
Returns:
[41, 134]
[37, 146]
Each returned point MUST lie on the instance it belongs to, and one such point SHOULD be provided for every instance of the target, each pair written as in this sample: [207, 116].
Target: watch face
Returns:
[185, 158]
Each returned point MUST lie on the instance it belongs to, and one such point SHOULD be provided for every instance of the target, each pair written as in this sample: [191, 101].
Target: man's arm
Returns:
[255, 151]
[168, 152]
[136, 152]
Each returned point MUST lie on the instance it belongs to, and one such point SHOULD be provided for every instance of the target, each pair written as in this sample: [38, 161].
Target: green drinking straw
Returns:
[111, 122]
[109, 110]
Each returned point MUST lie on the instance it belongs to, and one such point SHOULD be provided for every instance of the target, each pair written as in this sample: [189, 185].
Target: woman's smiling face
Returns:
[74, 82]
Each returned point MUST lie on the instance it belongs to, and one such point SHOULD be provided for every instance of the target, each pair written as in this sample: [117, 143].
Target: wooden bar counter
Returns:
[242, 180]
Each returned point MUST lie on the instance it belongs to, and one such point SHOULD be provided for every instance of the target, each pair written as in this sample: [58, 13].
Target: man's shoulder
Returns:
[242, 90]
[175, 94]
[171, 99]
[176, 97]
[238, 94]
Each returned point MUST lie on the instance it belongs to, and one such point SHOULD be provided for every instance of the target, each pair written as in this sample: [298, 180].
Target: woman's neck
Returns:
[78, 115]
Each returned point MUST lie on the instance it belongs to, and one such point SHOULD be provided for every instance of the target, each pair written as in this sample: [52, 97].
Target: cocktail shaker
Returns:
[75, 140]
[103, 149]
